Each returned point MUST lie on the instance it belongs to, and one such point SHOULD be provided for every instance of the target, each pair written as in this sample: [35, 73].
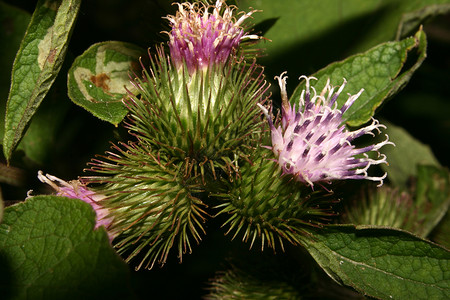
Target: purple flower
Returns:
[76, 190]
[201, 38]
[313, 144]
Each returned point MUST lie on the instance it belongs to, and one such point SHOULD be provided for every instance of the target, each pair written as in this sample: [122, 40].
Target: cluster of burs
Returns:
[201, 146]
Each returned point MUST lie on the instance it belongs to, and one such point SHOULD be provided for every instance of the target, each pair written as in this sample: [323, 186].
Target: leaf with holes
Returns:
[98, 78]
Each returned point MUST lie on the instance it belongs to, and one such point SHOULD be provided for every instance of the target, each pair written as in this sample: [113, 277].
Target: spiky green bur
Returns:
[383, 206]
[413, 209]
[154, 208]
[236, 284]
[263, 204]
[256, 281]
[203, 119]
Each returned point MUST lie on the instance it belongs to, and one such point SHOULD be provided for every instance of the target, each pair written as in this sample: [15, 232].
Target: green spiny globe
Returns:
[262, 203]
[152, 206]
[202, 119]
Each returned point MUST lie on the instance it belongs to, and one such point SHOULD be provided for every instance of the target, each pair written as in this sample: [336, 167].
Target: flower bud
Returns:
[202, 36]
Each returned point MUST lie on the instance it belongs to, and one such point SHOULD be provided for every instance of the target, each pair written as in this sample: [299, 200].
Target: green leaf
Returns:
[381, 71]
[407, 154]
[382, 263]
[13, 24]
[49, 250]
[299, 21]
[307, 35]
[98, 78]
[37, 63]
[38, 143]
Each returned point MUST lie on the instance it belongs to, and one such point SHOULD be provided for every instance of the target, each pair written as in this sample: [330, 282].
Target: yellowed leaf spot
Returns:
[52, 4]
[111, 77]
[45, 52]
[116, 71]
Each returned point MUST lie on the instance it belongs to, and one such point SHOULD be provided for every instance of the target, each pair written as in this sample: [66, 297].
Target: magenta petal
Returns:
[202, 36]
[75, 190]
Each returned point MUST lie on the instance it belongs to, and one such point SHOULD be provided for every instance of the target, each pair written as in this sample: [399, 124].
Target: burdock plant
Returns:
[207, 151]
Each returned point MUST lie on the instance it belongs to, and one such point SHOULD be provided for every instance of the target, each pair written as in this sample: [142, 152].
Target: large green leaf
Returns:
[37, 63]
[306, 35]
[13, 24]
[99, 77]
[50, 250]
[381, 71]
[38, 141]
[382, 263]
[407, 154]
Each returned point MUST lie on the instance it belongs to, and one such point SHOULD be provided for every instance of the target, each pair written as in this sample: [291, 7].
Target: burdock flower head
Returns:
[313, 144]
[201, 37]
[198, 104]
[76, 190]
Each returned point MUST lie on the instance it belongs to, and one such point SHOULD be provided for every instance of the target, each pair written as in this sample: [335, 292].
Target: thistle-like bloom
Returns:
[76, 190]
[201, 38]
[313, 144]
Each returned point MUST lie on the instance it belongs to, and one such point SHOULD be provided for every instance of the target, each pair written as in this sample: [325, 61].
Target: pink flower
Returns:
[313, 144]
[201, 38]
[76, 190]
